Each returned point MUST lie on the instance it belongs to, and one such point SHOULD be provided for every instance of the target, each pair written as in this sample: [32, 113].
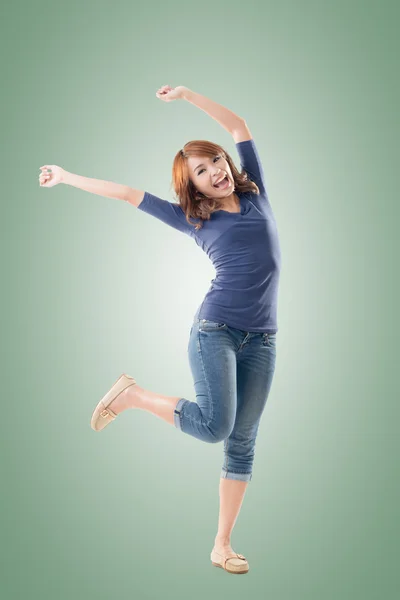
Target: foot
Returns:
[126, 399]
[221, 551]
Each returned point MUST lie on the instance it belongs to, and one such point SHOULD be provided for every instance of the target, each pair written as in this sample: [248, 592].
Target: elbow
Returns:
[239, 123]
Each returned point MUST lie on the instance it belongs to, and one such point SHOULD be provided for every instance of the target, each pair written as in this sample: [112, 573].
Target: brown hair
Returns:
[194, 203]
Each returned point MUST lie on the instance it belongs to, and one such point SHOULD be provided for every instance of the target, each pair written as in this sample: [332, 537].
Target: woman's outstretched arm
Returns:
[232, 122]
[51, 175]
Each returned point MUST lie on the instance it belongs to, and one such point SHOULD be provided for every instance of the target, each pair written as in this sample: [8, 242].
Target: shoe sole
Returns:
[228, 570]
[102, 415]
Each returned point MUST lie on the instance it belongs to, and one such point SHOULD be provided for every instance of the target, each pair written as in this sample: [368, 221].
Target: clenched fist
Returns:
[167, 93]
[50, 175]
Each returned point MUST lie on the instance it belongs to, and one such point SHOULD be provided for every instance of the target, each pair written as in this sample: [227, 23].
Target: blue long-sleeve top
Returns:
[243, 248]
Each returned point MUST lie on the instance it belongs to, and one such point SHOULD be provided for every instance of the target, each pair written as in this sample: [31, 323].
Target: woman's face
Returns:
[205, 172]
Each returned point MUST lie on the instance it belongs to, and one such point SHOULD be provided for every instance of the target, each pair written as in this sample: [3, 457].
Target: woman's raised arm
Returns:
[229, 120]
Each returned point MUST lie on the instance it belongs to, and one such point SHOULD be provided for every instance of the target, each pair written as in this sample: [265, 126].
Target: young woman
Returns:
[232, 342]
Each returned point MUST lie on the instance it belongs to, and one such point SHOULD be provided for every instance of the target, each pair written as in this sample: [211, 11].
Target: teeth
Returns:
[220, 180]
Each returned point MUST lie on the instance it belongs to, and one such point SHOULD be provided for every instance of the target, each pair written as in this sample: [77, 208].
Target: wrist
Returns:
[186, 93]
[64, 176]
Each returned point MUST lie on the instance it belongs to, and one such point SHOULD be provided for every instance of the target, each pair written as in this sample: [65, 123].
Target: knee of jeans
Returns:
[220, 432]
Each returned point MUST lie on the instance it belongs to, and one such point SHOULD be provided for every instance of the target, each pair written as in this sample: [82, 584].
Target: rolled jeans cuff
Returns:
[239, 476]
[177, 413]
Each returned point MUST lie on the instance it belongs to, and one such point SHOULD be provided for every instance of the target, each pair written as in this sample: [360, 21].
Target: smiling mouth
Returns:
[223, 183]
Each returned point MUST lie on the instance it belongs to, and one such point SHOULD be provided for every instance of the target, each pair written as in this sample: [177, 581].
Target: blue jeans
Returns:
[232, 371]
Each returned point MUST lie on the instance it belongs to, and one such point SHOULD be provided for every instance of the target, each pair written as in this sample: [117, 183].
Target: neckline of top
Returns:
[231, 212]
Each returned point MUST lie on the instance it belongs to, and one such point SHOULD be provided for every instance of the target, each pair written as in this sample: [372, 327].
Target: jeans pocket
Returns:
[206, 325]
[269, 339]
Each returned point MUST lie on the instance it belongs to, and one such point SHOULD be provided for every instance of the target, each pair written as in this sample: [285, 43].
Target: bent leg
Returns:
[212, 359]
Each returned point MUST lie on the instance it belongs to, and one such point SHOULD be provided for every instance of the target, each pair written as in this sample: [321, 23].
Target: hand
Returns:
[167, 93]
[51, 179]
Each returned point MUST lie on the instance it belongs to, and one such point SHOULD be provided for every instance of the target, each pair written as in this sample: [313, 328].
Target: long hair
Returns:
[194, 203]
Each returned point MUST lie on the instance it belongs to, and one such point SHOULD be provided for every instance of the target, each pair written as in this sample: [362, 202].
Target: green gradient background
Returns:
[93, 288]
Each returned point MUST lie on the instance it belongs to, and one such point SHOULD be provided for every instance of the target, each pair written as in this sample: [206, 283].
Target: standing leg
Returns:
[231, 494]
[255, 369]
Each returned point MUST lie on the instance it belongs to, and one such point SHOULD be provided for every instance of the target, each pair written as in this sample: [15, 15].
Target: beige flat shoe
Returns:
[103, 415]
[237, 563]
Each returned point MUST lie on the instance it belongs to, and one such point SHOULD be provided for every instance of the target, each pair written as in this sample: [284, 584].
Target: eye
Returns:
[215, 158]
